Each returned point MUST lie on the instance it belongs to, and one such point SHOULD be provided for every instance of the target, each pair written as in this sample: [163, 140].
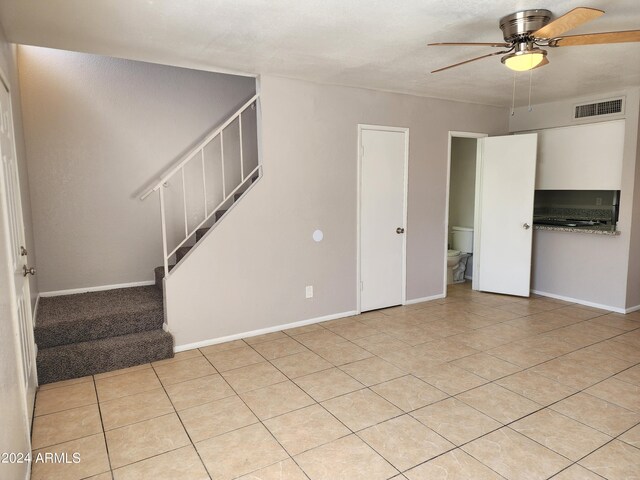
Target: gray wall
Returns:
[589, 268]
[462, 183]
[14, 431]
[252, 271]
[97, 131]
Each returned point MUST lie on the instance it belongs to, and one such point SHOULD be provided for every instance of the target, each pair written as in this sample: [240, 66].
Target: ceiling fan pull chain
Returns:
[530, 80]
[513, 96]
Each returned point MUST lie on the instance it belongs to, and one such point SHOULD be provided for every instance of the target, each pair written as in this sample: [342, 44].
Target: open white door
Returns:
[11, 204]
[383, 186]
[504, 209]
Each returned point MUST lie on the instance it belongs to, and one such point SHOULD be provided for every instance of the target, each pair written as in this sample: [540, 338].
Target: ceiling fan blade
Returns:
[470, 60]
[568, 21]
[468, 44]
[598, 38]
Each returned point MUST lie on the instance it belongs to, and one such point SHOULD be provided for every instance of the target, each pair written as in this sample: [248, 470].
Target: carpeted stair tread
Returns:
[90, 316]
[89, 358]
[201, 232]
[181, 252]
[159, 275]
[219, 214]
[66, 308]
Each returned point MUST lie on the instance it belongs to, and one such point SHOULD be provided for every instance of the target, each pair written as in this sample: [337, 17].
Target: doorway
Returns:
[462, 177]
[382, 216]
[502, 212]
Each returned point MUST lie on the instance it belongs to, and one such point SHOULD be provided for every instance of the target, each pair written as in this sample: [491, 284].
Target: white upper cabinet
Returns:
[581, 157]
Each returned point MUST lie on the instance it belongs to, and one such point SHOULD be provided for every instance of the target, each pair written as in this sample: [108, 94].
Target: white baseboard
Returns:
[582, 302]
[262, 331]
[424, 299]
[632, 309]
[57, 293]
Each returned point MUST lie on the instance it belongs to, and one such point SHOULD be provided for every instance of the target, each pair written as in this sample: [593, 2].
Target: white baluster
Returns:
[224, 187]
[184, 204]
[204, 185]
[164, 232]
[241, 157]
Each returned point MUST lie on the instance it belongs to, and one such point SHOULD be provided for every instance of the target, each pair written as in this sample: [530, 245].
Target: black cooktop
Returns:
[567, 222]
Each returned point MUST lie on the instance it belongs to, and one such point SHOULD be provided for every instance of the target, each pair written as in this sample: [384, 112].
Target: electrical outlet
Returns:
[309, 291]
[598, 201]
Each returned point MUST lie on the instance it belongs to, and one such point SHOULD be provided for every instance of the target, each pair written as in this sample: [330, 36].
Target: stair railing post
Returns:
[224, 188]
[164, 233]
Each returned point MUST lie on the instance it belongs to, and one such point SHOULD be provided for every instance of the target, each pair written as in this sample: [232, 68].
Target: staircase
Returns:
[95, 332]
[89, 333]
[181, 252]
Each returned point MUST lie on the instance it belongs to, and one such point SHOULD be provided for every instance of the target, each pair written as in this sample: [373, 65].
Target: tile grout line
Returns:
[104, 433]
[175, 411]
[193, 445]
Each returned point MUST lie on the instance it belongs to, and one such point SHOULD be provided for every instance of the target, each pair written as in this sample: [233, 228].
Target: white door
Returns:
[17, 254]
[383, 179]
[504, 203]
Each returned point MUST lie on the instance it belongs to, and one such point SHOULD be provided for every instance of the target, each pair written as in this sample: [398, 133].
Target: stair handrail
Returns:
[188, 156]
[197, 152]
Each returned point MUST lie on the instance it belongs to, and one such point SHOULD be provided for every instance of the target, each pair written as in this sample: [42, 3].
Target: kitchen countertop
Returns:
[576, 230]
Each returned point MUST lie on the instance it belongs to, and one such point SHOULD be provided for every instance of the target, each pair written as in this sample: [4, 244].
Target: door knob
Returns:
[399, 230]
[526, 226]
[28, 271]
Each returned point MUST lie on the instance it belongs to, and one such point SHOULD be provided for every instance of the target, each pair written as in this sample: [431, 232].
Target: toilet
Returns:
[458, 257]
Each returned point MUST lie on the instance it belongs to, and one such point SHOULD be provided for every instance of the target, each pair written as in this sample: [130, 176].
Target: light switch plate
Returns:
[309, 291]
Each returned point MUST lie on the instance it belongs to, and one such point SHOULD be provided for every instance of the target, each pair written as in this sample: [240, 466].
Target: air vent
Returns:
[612, 106]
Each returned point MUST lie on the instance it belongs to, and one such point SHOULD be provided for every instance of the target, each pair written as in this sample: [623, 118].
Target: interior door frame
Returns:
[25, 390]
[455, 134]
[405, 186]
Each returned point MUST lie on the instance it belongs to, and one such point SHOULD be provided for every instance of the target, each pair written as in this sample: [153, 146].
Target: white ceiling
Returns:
[366, 43]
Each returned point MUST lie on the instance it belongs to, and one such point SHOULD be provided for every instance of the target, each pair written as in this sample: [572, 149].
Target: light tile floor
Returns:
[474, 386]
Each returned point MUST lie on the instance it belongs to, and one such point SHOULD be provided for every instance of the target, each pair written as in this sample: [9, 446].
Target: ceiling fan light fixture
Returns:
[524, 60]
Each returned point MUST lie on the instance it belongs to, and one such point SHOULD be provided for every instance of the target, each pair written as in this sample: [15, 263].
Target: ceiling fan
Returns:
[526, 31]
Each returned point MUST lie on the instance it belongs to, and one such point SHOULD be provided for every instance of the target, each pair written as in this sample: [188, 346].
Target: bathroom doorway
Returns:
[460, 208]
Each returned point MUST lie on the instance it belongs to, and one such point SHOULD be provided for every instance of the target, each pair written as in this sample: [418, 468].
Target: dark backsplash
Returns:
[597, 205]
